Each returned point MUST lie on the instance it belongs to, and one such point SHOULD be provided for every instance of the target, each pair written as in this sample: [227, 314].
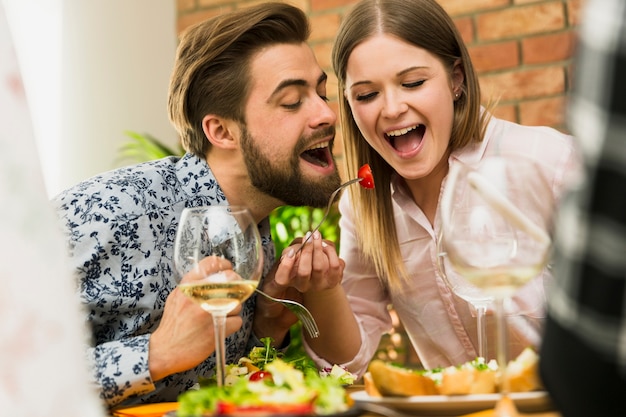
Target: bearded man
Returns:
[248, 100]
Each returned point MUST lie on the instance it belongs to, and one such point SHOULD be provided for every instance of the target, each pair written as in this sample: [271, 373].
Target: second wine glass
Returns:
[475, 296]
[227, 232]
[496, 221]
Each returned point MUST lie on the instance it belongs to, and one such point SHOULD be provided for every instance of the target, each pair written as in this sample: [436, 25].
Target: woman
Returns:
[410, 106]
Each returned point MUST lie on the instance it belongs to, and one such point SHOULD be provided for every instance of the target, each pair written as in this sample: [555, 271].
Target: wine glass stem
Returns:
[219, 323]
[502, 347]
[481, 311]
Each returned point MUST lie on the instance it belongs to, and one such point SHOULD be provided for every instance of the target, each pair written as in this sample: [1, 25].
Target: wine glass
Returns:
[227, 232]
[475, 296]
[496, 221]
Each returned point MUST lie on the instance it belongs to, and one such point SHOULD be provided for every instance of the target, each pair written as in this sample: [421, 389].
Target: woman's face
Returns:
[402, 99]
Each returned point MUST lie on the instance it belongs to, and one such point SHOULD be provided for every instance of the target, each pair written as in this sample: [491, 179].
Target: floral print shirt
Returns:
[121, 227]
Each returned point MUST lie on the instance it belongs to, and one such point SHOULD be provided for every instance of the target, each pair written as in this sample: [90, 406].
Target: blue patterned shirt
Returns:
[121, 227]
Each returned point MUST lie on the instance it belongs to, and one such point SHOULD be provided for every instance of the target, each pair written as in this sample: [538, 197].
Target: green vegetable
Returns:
[260, 356]
[287, 386]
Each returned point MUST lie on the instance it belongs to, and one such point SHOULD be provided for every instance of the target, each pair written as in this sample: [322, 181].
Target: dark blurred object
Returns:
[583, 357]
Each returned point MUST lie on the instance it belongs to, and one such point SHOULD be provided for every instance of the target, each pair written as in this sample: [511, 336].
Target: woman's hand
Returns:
[315, 269]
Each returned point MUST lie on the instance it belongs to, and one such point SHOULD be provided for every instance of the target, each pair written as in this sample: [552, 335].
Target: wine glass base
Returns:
[505, 407]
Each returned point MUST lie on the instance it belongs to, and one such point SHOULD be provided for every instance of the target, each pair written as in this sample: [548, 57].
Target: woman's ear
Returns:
[220, 132]
[458, 77]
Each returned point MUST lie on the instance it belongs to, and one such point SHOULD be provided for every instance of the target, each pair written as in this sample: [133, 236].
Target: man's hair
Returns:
[212, 70]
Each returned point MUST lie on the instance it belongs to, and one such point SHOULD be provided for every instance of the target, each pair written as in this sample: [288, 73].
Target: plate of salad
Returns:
[267, 383]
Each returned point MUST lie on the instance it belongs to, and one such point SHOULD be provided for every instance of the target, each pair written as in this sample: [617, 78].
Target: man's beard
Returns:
[285, 182]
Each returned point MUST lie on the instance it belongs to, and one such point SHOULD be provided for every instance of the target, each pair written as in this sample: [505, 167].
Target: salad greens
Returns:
[289, 384]
[262, 355]
[288, 388]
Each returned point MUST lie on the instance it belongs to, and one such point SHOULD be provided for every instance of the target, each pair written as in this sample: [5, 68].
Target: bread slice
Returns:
[391, 380]
[370, 387]
[474, 377]
[523, 372]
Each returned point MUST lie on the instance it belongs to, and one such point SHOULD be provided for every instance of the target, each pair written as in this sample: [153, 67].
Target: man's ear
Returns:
[222, 133]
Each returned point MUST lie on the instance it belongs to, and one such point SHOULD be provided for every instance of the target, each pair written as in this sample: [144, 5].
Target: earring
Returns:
[456, 95]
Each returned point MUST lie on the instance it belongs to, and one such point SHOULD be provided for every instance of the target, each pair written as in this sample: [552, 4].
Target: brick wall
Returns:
[521, 48]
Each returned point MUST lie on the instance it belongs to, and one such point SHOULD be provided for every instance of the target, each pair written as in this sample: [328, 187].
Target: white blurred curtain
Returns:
[74, 75]
[93, 70]
[43, 372]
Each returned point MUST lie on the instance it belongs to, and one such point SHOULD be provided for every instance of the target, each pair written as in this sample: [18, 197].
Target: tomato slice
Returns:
[260, 375]
[229, 409]
[367, 178]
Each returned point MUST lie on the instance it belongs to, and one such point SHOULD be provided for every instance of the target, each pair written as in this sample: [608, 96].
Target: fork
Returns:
[299, 310]
[328, 207]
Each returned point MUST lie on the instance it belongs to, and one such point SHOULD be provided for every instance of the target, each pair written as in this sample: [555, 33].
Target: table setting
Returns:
[393, 407]
[508, 224]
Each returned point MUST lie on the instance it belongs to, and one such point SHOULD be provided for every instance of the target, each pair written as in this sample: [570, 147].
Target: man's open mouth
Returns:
[318, 154]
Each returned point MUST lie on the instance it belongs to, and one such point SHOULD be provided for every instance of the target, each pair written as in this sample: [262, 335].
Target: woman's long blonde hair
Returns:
[425, 24]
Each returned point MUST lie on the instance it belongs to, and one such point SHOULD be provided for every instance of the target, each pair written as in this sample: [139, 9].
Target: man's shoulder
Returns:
[143, 181]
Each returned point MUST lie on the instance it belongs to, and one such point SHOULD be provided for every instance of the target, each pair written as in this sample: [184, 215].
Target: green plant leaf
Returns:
[288, 223]
[145, 147]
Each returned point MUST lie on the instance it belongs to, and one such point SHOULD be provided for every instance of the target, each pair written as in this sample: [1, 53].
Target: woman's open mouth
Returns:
[406, 139]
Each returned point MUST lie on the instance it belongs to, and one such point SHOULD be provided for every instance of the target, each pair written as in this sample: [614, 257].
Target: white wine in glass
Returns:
[496, 223]
[227, 232]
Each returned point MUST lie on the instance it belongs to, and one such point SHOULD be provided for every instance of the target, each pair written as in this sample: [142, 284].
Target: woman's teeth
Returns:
[402, 131]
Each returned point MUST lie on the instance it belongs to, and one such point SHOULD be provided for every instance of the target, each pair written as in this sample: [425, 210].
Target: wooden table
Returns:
[158, 410]
[147, 411]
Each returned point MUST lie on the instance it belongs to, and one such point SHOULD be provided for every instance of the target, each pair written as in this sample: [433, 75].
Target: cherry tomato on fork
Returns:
[367, 178]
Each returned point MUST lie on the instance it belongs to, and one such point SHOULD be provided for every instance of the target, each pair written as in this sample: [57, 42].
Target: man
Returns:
[248, 99]
[583, 357]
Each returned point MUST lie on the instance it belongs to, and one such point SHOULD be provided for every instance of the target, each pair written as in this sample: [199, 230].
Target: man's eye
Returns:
[413, 84]
[365, 97]
[292, 106]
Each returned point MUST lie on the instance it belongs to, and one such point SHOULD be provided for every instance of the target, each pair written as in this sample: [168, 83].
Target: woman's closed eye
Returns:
[413, 84]
[371, 95]
[366, 97]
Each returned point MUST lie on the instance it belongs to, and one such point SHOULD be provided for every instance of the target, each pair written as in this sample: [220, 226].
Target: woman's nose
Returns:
[393, 106]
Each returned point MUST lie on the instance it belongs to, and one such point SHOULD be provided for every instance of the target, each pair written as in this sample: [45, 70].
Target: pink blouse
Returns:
[440, 325]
